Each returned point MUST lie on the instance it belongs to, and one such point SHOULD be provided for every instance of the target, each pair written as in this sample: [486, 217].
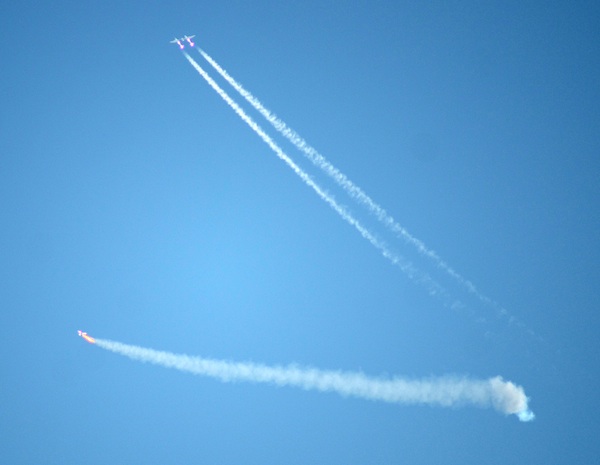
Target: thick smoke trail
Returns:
[349, 187]
[501, 395]
[403, 264]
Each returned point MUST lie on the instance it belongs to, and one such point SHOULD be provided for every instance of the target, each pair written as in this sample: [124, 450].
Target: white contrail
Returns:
[403, 264]
[351, 189]
[503, 396]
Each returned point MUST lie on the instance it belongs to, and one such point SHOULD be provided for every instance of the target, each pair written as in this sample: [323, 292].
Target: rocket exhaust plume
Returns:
[503, 396]
[84, 335]
[352, 189]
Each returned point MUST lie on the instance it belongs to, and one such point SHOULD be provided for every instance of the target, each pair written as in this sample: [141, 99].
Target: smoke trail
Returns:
[503, 396]
[352, 189]
[403, 264]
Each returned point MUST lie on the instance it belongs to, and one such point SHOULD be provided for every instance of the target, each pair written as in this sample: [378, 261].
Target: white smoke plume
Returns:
[352, 189]
[402, 263]
[503, 396]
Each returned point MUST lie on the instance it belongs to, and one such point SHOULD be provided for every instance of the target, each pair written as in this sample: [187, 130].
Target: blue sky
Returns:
[138, 207]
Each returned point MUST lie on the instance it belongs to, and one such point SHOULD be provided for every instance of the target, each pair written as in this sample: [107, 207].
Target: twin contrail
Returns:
[503, 396]
[349, 187]
[401, 262]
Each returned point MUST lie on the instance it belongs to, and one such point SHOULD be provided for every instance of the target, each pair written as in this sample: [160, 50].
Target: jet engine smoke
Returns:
[501, 395]
[355, 191]
[340, 178]
[414, 274]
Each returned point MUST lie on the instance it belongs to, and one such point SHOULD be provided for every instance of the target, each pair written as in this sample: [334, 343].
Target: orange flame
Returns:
[90, 339]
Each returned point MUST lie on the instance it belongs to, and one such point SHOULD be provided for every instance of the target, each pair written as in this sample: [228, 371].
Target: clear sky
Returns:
[137, 206]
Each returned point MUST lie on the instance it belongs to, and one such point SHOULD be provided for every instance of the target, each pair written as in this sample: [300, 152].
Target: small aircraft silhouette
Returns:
[181, 41]
[178, 42]
[189, 40]
[84, 335]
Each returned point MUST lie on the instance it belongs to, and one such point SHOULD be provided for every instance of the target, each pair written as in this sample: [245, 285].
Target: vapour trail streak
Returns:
[503, 396]
[351, 189]
[403, 264]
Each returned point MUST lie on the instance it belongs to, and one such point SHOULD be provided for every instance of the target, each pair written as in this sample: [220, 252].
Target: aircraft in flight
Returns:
[84, 335]
[189, 40]
[178, 42]
[181, 42]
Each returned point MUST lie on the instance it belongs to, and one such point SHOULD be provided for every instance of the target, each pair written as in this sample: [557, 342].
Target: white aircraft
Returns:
[178, 42]
[84, 335]
[189, 39]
